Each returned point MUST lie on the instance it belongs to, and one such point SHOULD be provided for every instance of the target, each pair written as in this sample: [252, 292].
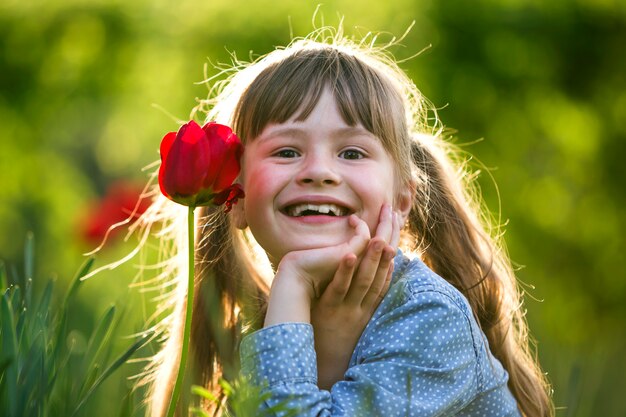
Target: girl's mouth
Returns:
[308, 209]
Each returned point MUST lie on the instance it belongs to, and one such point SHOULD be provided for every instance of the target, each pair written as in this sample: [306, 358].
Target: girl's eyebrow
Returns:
[273, 132]
[295, 132]
[353, 131]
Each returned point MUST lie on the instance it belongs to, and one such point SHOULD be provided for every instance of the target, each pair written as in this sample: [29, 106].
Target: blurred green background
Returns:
[537, 91]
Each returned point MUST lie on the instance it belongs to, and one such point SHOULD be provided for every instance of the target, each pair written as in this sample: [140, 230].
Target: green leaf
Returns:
[29, 262]
[76, 281]
[204, 393]
[106, 350]
[62, 321]
[227, 387]
[90, 378]
[4, 282]
[4, 364]
[200, 412]
[21, 316]
[43, 307]
[99, 336]
[9, 349]
[112, 368]
[128, 405]
[31, 386]
[15, 298]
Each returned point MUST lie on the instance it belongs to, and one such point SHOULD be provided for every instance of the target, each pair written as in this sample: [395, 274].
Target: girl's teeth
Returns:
[297, 210]
[324, 208]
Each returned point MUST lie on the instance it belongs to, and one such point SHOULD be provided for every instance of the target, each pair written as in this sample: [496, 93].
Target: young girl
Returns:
[378, 290]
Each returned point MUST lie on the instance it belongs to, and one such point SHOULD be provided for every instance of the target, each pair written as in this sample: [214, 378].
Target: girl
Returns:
[378, 290]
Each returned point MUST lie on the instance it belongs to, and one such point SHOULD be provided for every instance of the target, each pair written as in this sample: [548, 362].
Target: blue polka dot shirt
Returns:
[421, 354]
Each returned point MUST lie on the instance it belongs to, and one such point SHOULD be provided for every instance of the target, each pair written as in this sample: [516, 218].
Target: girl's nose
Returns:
[318, 170]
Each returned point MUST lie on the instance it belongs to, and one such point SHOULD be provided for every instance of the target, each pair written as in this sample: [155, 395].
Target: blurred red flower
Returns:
[121, 202]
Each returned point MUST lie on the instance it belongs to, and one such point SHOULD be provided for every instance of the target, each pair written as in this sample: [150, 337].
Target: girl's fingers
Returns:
[338, 287]
[367, 272]
[395, 230]
[386, 285]
[380, 283]
[384, 230]
[373, 256]
[359, 241]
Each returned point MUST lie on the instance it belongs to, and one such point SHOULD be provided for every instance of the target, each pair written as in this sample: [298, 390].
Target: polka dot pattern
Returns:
[421, 354]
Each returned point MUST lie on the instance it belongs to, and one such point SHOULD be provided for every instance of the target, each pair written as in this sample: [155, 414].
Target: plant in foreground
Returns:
[241, 399]
[42, 372]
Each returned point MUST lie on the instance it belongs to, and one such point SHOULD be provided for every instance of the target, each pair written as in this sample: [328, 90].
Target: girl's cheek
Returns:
[263, 184]
[259, 179]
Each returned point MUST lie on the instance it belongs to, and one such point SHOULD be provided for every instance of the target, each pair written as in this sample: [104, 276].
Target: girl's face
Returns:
[303, 179]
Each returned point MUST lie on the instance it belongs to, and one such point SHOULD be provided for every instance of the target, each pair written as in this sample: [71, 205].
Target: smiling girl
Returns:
[384, 293]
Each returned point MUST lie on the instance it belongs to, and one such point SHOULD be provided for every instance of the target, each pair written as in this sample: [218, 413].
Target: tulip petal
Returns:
[184, 168]
[166, 145]
[229, 197]
[190, 132]
[216, 135]
[230, 166]
[162, 174]
[226, 151]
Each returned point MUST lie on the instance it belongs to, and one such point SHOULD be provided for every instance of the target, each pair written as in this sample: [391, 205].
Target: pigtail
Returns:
[231, 298]
[452, 239]
[455, 244]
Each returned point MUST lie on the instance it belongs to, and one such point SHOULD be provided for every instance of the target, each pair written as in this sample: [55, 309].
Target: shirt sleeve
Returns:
[418, 359]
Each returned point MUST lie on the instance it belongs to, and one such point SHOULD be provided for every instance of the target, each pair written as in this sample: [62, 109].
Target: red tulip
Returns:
[199, 165]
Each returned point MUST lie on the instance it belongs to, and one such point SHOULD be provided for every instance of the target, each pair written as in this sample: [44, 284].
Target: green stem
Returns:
[187, 329]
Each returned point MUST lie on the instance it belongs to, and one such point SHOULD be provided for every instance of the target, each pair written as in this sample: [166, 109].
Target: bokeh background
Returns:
[536, 91]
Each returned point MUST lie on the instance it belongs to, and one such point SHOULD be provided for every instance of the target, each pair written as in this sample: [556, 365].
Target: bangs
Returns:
[292, 87]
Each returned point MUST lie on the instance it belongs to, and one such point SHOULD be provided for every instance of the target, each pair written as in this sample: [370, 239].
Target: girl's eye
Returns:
[352, 154]
[286, 153]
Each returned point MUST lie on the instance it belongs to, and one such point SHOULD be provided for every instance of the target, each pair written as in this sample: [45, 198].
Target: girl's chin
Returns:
[310, 243]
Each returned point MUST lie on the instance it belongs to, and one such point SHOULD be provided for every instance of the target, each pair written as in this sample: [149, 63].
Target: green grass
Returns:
[45, 369]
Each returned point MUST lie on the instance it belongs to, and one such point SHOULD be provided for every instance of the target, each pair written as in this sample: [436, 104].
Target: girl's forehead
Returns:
[294, 116]
[293, 88]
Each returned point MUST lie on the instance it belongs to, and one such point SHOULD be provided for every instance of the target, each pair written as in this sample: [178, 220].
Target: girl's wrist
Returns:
[290, 300]
[289, 275]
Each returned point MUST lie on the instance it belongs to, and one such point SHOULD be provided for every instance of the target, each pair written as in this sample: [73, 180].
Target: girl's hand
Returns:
[301, 276]
[350, 299]
[315, 268]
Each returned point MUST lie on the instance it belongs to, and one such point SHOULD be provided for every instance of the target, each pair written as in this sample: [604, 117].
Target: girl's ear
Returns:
[404, 200]
[239, 215]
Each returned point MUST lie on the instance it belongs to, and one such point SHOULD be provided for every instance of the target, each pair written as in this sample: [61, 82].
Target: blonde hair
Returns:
[446, 225]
